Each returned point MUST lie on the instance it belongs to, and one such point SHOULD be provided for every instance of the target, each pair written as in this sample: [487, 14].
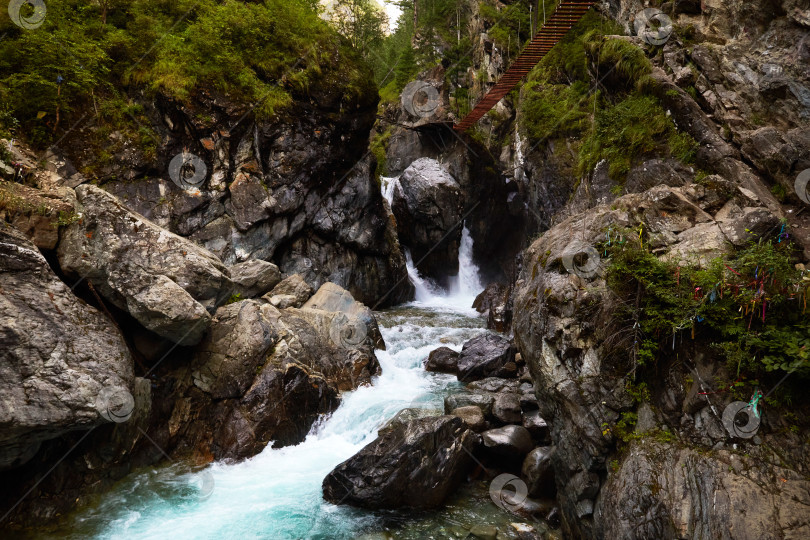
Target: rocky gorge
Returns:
[357, 323]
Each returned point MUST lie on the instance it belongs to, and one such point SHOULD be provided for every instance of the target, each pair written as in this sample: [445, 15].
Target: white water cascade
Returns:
[277, 493]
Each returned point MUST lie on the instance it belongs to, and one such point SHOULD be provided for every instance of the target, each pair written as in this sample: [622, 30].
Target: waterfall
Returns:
[467, 284]
[425, 290]
[387, 186]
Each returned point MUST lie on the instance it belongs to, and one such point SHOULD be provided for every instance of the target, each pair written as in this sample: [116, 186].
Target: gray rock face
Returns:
[442, 360]
[59, 357]
[254, 277]
[285, 192]
[510, 443]
[696, 492]
[427, 205]
[488, 355]
[570, 359]
[414, 465]
[169, 284]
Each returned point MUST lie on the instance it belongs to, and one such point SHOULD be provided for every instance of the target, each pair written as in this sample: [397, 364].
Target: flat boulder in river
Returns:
[488, 355]
[417, 464]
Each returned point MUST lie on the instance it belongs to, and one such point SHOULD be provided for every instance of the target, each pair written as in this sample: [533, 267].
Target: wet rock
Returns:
[472, 416]
[488, 355]
[254, 278]
[506, 408]
[169, 284]
[511, 443]
[494, 303]
[403, 417]
[442, 360]
[538, 473]
[294, 286]
[484, 401]
[484, 532]
[62, 363]
[427, 205]
[416, 465]
[538, 428]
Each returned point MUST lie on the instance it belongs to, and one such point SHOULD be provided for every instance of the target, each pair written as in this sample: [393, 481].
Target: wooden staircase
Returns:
[563, 19]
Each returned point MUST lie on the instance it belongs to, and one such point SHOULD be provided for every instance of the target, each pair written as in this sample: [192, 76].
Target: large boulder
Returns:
[62, 363]
[355, 322]
[415, 465]
[488, 355]
[427, 205]
[167, 283]
[442, 360]
[263, 374]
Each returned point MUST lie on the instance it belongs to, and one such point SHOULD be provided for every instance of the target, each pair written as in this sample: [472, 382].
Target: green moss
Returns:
[599, 89]
[721, 303]
[260, 54]
[379, 147]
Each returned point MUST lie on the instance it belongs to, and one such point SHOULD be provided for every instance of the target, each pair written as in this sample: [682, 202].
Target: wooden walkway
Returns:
[563, 19]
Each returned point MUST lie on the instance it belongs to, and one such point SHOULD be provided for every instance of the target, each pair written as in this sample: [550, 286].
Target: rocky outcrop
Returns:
[495, 304]
[415, 465]
[63, 365]
[488, 355]
[562, 309]
[698, 494]
[167, 283]
[300, 194]
[262, 374]
[427, 205]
